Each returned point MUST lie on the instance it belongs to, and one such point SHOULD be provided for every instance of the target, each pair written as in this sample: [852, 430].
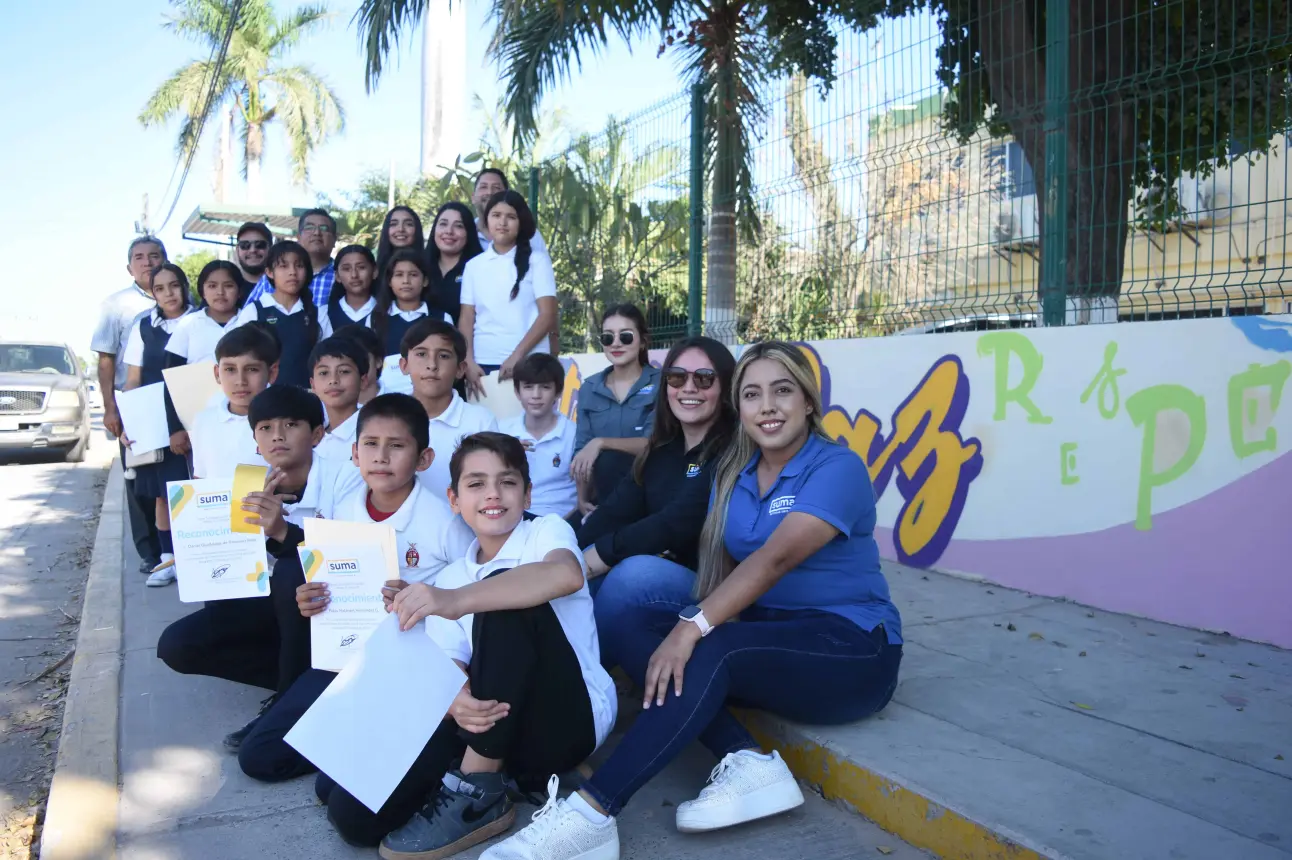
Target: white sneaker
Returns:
[559, 832]
[163, 574]
[743, 787]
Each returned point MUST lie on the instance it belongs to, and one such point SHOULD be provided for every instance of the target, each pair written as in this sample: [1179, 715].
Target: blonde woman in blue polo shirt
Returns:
[788, 549]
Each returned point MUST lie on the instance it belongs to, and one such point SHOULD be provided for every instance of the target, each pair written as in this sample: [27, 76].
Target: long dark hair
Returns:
[471, 249]
[385, 249]
[217, 266]
[183, 283]
[667, 427]
[525, 231]
[338, 291]
[632, 313]
[386, 296]
[276, 253]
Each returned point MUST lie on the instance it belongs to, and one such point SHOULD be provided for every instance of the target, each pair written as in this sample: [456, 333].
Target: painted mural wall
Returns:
[1142, 468]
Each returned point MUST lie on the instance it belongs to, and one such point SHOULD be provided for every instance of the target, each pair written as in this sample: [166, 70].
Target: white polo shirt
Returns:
[359, 316]
[134, 354]
[195, 337]
[549, 464]
[338, 442]
[328, 490]
[531, 542]
[501, 321]
[250, 314]
[221, 442]
[447, 429]
[428, 535]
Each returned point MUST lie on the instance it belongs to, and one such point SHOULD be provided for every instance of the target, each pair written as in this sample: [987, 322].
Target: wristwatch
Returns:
[696, 616]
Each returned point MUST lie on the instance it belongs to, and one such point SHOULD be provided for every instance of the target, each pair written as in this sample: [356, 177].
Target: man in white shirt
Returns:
[117, 316]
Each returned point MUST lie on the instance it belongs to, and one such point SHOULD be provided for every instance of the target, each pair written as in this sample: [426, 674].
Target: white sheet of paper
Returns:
[192, 388]
[500, 397]
[324, 533]
[392, 379]
[354, 575]
[213, 562]
[143, 413]
[373, 720]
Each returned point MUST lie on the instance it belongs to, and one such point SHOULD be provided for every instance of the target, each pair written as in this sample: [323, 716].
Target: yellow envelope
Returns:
[191, 388]
[324, 533]
[246, 479]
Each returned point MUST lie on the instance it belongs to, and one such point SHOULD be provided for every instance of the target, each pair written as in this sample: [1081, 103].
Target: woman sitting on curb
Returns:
[787, 550]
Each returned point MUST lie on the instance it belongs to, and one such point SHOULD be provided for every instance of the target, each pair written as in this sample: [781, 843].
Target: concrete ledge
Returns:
[81, 817]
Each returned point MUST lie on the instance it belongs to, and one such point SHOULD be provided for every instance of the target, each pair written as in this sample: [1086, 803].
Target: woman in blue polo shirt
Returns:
[616, 407]
[787, 549]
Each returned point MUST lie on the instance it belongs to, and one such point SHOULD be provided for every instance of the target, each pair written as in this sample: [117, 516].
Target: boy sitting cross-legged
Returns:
[516, 615]
[390, 449]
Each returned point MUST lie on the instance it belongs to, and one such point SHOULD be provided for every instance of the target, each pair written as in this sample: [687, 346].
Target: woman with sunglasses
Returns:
[616, 407]
[658, 508]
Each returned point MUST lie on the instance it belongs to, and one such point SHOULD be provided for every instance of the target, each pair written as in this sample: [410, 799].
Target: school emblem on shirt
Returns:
[781, 505]
[411, 558]
[693, 470]
[556, 462]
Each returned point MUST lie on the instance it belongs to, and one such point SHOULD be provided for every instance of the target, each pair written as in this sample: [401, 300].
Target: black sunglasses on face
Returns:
[248, 246]
[608, 338]
[675, 377]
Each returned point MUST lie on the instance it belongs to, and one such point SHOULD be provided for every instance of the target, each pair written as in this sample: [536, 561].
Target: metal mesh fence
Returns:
[911, 196]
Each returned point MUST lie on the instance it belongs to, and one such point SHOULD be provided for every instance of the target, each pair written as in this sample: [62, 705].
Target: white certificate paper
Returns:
[143, 415]
[373, 720]
[354, 575]
[213, 562]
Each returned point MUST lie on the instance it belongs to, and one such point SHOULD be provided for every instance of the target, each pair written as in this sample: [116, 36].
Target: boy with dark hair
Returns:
[516, 615]
[338, 366]
[246, 363]
[547, 435]
[433, 354]
[390, 449]
[371, 345]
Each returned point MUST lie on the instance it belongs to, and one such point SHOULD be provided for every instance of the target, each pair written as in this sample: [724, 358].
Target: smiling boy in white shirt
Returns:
[547, 435]
[338, 366]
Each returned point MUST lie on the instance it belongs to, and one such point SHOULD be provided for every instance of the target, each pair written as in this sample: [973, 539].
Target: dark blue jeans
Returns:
[808, 666]
[637, 581]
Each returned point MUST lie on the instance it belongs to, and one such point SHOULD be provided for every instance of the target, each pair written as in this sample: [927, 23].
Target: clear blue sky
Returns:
[75, 163]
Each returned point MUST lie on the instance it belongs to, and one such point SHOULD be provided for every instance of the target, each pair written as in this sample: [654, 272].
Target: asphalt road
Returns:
[48, 511]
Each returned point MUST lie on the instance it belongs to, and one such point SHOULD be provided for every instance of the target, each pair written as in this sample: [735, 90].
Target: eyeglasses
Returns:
[315, 228]
[625, 338]
[675, 377]
[250, 246]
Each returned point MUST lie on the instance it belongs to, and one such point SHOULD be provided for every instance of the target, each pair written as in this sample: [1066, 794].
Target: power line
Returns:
[234, 8]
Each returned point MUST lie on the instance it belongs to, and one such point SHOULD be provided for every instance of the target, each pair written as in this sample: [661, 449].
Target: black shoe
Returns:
[233, 740]
[147, 564]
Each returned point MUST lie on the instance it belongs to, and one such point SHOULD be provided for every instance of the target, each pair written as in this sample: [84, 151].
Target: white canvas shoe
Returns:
[743, 787]
[558, 831]
[164, 573]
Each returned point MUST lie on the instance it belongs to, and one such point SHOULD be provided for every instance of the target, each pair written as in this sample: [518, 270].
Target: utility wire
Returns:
[235, 7]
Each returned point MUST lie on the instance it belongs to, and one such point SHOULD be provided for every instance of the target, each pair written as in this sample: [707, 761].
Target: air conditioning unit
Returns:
[1019, 227]
[1200, 202]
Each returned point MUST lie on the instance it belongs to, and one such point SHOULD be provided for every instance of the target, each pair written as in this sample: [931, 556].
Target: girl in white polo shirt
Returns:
[219, 285]
[508, 293]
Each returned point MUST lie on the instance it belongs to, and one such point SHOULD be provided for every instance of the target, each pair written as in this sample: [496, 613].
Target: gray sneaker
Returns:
[465, 812]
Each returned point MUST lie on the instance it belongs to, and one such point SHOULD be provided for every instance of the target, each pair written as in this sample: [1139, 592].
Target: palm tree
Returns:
[730, 47]
[254, 78]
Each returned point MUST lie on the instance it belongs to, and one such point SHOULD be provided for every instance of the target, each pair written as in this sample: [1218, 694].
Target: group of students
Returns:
[695, 527]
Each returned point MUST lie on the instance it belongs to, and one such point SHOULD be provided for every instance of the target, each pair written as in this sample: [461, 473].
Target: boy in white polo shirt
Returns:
[433, 353]
[391, 447]
[516, 615]
[246, 363]
[338, 366]
[547, 435]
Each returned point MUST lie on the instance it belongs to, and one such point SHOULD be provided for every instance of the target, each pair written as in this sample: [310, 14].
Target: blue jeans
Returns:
[804, 665]
[640, 580]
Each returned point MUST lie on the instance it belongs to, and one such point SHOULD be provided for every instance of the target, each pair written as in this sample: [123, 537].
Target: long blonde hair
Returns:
[715, 562]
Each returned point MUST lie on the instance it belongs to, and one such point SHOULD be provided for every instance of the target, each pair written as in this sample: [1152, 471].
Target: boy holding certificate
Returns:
[237, 639]
[338, 366]
[516, 615]
[390, 448]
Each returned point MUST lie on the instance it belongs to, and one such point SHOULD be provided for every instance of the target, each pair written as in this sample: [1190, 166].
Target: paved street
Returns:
[47, 513]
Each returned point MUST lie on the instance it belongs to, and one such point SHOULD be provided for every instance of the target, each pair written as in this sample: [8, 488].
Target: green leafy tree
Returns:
[256, 77]
[192, 265]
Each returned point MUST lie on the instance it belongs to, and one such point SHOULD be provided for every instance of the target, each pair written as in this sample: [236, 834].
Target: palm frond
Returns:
[309, 112]
[380, 24]
[184, 93]
[287, 32]
[199, 20]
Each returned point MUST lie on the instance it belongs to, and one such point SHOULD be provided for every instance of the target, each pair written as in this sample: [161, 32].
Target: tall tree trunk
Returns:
[720, 318]
[254, 152]
[1100, 135]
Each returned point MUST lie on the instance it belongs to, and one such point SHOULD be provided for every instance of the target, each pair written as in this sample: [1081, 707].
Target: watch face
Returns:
[690, 612]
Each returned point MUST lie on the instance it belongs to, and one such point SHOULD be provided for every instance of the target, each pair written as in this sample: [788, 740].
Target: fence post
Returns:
[1054, 212]
[533, 190]
[695, 245]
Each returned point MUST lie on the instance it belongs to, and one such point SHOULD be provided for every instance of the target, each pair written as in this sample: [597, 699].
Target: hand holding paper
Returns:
[143, 416]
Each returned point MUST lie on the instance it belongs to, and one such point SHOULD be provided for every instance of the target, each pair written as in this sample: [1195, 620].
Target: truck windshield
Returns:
[31, 358]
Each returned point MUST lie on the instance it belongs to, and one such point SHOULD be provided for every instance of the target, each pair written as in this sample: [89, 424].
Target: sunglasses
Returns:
[249, 246]
[675, 377]
[626, 338]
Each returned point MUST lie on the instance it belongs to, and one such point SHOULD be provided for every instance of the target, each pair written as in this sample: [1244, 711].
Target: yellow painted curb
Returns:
[897, 809]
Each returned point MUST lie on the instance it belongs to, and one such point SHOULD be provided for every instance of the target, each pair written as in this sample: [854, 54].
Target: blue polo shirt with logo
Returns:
[830, 482]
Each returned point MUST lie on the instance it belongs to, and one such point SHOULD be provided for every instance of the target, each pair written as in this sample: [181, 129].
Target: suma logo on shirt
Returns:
[781, 505]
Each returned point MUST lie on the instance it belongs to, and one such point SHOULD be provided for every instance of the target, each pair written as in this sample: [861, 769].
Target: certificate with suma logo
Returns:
[212, 561]
[354, 574]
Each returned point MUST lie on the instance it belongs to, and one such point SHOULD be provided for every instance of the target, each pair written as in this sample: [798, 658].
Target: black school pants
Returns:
[143, 519]
[236, 640]
[264, 755]
[293, 628]
[518, 656]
